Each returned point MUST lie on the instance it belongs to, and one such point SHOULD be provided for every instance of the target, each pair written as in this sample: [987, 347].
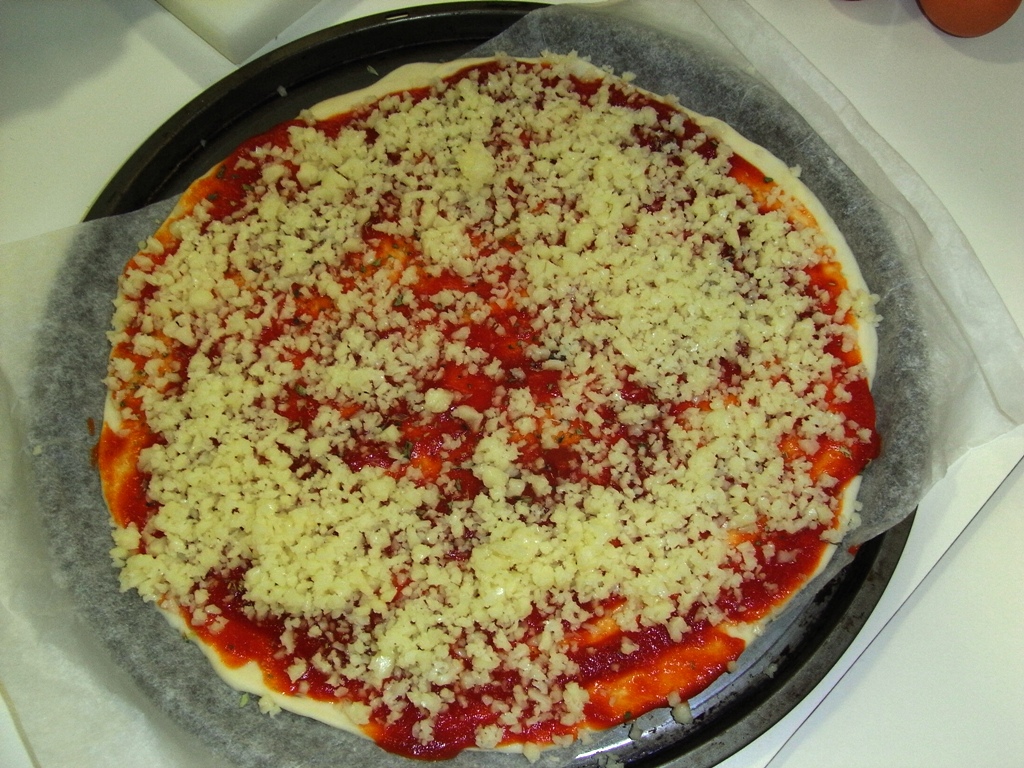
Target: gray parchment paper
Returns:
[94, 675]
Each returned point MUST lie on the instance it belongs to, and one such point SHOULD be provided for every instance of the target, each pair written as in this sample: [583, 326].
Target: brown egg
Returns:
[968, 18]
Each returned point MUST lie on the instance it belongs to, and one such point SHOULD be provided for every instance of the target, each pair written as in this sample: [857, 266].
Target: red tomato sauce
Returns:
[117, 455]
[621, 684]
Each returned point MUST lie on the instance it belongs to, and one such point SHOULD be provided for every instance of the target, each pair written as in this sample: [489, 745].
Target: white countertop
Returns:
[83, 84]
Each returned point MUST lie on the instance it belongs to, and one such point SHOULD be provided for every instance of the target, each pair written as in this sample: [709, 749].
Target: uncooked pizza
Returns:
[494, 405]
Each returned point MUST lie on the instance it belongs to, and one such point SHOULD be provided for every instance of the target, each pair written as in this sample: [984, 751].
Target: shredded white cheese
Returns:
[628, 256]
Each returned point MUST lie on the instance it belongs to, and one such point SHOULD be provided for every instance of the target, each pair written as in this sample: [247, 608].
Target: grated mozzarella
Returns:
[638, 264]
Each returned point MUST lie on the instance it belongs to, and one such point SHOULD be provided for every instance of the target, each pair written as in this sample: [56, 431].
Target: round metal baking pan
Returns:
[785, 665]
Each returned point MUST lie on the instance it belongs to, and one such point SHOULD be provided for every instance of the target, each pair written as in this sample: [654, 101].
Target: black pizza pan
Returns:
[174, 675]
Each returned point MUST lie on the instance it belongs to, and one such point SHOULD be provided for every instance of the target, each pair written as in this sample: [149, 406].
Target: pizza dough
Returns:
[497, 403]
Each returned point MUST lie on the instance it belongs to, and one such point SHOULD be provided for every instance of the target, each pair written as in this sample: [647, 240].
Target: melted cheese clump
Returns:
[638, 263]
